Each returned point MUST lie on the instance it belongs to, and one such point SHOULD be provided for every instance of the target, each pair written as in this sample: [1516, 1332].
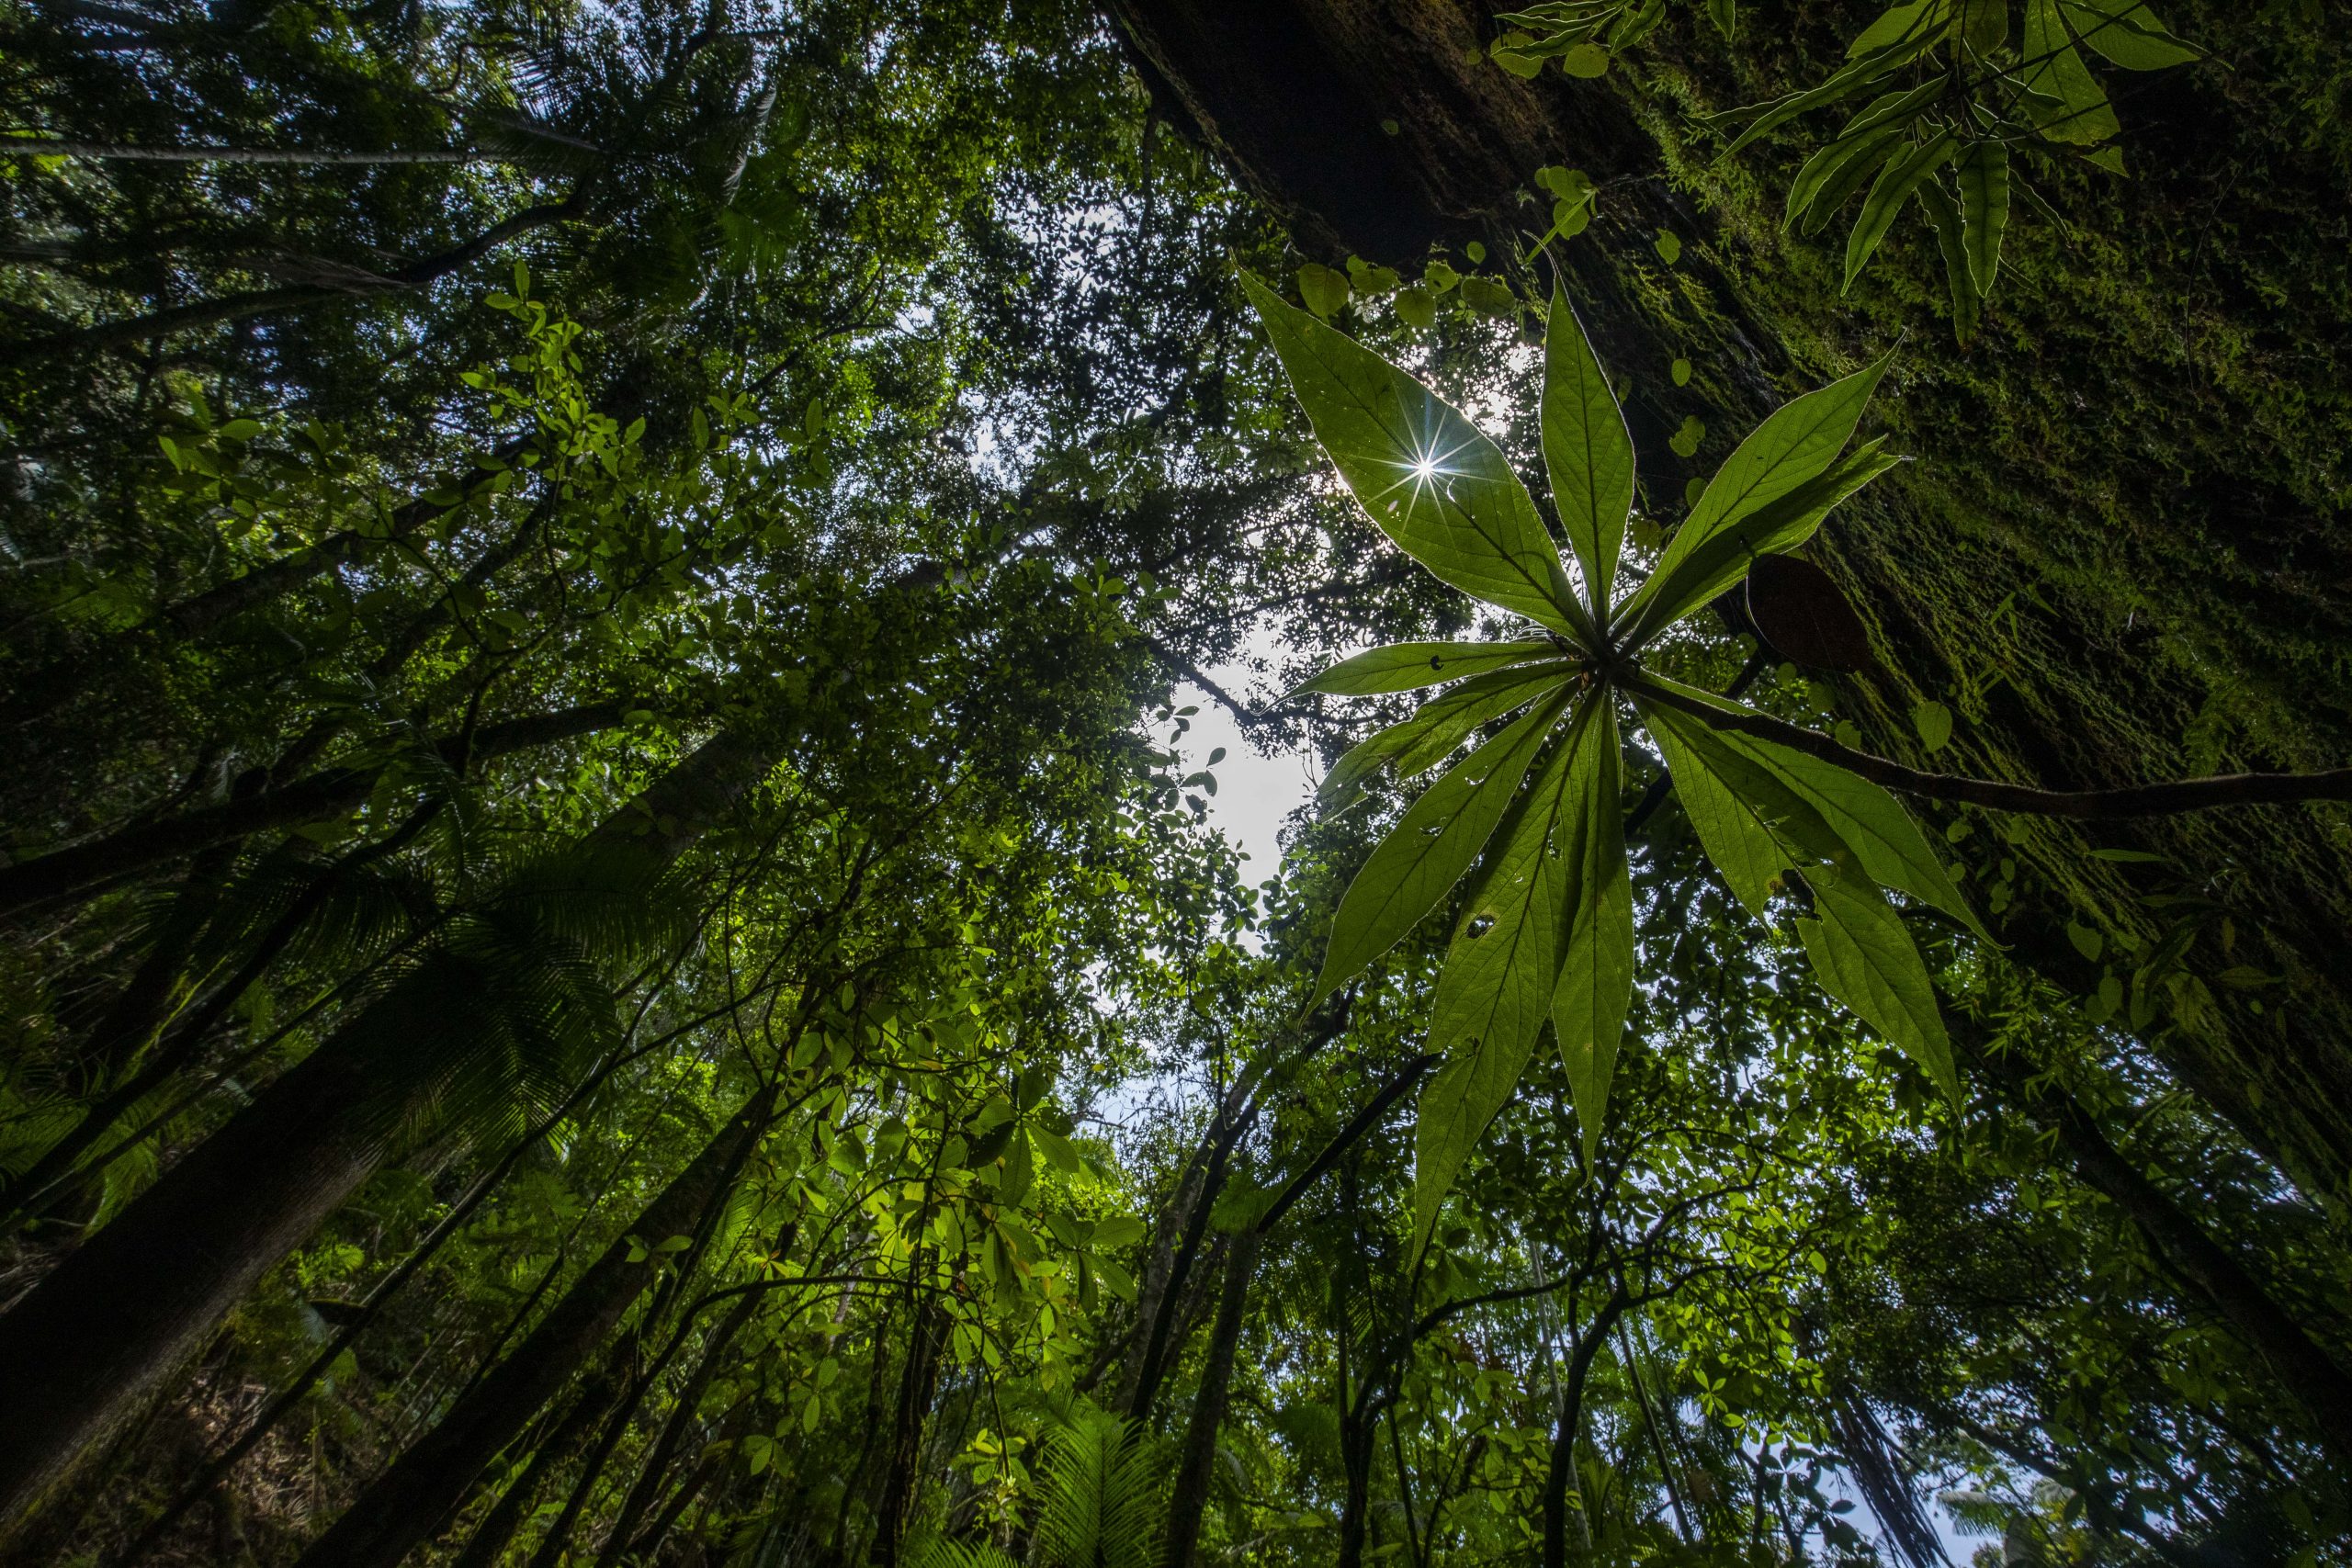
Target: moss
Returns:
[2121, 555]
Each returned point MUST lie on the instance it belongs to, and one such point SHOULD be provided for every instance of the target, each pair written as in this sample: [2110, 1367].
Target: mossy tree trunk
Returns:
[2122, 553]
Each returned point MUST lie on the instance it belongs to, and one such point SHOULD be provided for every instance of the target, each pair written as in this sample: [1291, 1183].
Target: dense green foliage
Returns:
[616, 945]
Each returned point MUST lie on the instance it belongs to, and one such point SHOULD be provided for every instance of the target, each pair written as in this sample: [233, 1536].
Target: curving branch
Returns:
[2167, 799]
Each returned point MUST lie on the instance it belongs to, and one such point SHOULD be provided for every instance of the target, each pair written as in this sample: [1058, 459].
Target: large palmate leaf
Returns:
[1550, 931]
[1409, 666]
[1588, 453]
[1440, 724]
[1596, 983]
[1428, 853]
[1496, 988]
[1423, 472]
[1863, 956]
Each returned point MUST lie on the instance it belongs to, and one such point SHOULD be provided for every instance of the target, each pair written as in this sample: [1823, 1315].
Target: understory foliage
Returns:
[616, 941]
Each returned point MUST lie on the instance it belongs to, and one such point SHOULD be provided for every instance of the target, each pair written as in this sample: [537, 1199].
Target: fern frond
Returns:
[938, 1552]
[1102, 1495]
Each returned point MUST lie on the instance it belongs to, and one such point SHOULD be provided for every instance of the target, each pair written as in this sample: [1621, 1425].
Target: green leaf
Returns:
[2127, 33]
[2088, 940]
[1423, 473]
[1884, 837]
[1724, 14]
[1893, 187]
[1587, 451]
[1984, 24]
[1669, 246]
[1596, 976]
[1933, 720]
[1984, 172]
[1424, 856]
[1587, 60]
[1324, 288]
[1712, 550]
[1496, 988]
[1117, 1230]
[1929, 19]
[1751, 826]
[1417, 307]
[1441, 723]
[1873, 131]
[1951, 239]
[1863, 956]
[2064, 100]
[1407, 666]
[1877, 150]
[1844, 85]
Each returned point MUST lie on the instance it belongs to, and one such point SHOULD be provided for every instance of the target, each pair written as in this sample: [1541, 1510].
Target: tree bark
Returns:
[488, 1540]
[648, 1489]
[1561, 1469]
[101, 1335]
[918, 1383]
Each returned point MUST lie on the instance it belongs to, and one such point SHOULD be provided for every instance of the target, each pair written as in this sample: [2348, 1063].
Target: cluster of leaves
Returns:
[1960, 91]
[1547, 933]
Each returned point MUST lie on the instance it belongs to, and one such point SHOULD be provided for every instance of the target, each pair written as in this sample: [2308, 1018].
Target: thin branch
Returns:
[1362, 1122]
[2169, 798]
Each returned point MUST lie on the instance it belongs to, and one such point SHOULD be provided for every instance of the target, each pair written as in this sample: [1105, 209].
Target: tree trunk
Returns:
[488, 1543]
[103, 1333]
[405, 1505]
[2129, 591]
[918, 1383]
[642, 1496]
[1560, 1473]
[1197, 1466]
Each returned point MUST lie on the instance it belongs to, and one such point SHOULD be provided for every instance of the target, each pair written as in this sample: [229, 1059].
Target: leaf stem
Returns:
[2168, 798]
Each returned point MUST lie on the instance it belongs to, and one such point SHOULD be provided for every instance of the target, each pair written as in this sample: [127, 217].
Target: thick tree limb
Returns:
[68, 871]
[265, 301]
[2169, 798]
[116, 152]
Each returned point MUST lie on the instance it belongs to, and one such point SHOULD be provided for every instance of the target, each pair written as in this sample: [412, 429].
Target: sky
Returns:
[1256, 791]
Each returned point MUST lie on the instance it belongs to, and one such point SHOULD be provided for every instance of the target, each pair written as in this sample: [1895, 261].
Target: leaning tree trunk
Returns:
[2092, 584]
[405, 1505]
[1187, 1499]
[98, 1338]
